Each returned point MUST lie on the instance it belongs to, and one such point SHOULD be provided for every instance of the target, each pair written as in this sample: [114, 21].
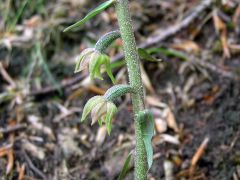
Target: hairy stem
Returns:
[132, 61]
[117, 91]
[106, 41]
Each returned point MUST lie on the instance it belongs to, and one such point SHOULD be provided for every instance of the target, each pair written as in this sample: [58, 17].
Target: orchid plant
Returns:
[102, 108]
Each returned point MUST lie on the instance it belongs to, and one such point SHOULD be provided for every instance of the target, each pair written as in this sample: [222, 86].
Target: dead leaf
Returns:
[161, 125]
[234, 48]
[6, 76]
[96, 90]
[8, 151]
[33, 22]
[36, 124]
[236, 19]
[4, 150]
[168, 169]
[171, 121]
[177, 160]
[221, 29]
[198, 154]
[155, 101]
[68, 144]
[211, 96]
[226, 51]
[21, 172]
[34, 150]
[146, 81]
[159, 139]
[187, 46]
[218, 23]
[10, 163]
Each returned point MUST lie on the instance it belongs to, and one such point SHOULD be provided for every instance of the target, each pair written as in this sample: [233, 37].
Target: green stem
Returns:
[117, 91]
[132, 61]
[106, 41]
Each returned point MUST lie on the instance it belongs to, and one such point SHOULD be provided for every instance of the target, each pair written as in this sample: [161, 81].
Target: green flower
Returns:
[101, 111]
[93, 59]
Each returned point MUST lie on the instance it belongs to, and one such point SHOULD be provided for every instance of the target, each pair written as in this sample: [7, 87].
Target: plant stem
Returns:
[132, 61]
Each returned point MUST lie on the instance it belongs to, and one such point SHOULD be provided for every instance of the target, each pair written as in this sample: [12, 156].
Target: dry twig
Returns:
[32, 166]
[6, 76]
[198, 154]
[11, 129]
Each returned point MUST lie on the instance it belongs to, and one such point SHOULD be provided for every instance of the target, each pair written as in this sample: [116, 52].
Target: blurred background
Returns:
[194, 92]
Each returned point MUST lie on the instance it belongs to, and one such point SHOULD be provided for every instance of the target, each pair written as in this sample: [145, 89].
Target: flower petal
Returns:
[108, 69]
[98, 111]
[83, 59]
[94, 65]
[90, 105]
[111, 111]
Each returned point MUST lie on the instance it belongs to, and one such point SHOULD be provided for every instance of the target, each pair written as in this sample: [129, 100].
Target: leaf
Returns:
[146, 56]
[218, 23]
[146, 81]
[90, 105]
[147, 128]
[187, 46]
[171, 121]
[90, 15]
[168, 52]
[46, 68]
[100, 122]
[125, 167]
[221, 29]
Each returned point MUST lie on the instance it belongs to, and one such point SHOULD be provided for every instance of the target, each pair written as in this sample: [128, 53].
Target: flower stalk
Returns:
[132, 61]
[102, 108]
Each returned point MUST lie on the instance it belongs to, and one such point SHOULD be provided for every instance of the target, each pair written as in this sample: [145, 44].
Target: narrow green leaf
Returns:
[45, 67]
[90, 104]
[90, 15]
[118, 64]
[125, 167]
[146, 56]
[100, 122]
[147, 128]
[168, 52]
[20, 11]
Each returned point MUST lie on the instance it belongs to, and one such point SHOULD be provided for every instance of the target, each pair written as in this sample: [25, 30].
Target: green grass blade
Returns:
[125, 167]
[90, 15]
[168, 53]
[18, 16]
[46, 68]
[146, 56]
